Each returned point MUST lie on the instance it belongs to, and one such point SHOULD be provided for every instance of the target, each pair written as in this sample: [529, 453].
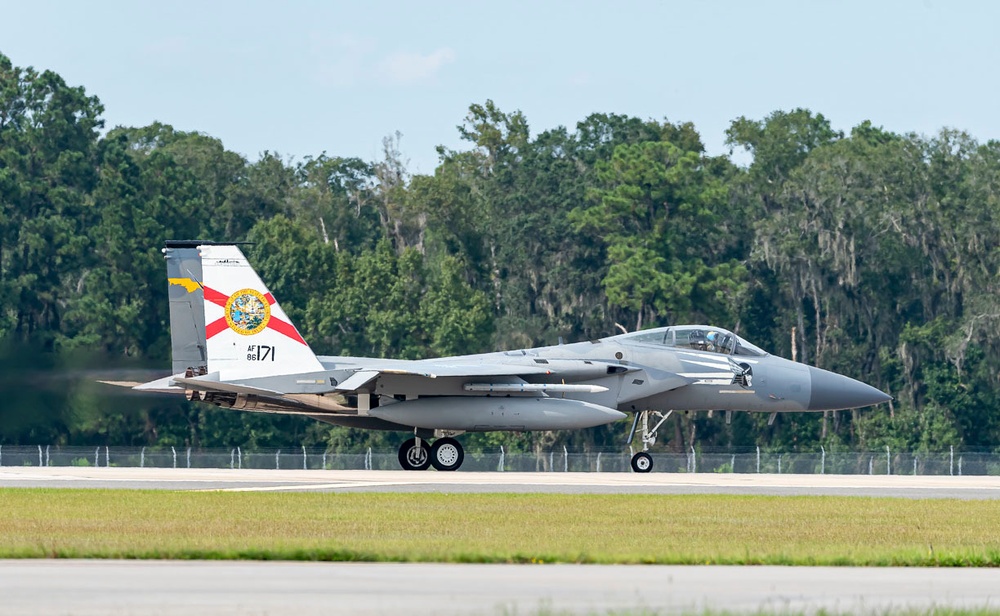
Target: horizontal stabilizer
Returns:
[166, 384]
[203, 384]
[132, 384]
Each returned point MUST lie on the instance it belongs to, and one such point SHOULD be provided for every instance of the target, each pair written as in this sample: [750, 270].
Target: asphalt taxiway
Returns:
[184, 588]
[904, 486]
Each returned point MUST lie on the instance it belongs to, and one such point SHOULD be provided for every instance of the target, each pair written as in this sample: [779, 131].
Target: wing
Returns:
[504, 376]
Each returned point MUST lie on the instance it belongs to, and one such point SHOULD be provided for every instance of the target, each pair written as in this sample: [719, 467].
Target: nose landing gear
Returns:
[642, 462]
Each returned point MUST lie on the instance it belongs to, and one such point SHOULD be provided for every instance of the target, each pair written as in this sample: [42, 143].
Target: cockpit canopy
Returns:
[699, 338]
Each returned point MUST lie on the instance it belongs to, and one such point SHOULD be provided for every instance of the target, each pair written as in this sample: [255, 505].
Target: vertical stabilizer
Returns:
[247, 332]
[187, 307]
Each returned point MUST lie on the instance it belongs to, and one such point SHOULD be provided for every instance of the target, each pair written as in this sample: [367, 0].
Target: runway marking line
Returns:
[307, 486]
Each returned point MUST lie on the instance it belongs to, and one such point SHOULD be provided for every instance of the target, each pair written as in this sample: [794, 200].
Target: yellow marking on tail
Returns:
[187, 283]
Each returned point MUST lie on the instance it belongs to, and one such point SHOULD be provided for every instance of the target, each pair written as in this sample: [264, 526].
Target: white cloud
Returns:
[347, 60]
[403, 68]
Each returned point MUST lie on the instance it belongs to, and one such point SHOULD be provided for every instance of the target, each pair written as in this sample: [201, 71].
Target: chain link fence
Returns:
[753, 461]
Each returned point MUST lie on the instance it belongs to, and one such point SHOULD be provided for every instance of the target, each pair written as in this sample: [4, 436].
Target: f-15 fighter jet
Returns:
[233, 346]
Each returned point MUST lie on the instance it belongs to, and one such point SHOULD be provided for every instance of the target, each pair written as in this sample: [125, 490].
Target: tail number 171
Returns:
[260, 352]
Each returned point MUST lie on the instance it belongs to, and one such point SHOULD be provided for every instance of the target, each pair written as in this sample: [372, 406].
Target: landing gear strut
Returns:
[446, 454]
[642, 462]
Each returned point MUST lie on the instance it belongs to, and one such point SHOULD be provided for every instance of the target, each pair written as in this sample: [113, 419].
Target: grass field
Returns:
[41, 523]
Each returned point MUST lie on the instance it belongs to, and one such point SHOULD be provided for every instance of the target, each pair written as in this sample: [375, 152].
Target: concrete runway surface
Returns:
[184, 588]
[904, 486]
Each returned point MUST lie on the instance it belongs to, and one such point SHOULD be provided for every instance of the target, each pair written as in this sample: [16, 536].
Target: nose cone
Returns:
[833, 392]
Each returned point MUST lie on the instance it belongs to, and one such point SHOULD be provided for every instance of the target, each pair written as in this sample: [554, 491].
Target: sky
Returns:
[300, 78]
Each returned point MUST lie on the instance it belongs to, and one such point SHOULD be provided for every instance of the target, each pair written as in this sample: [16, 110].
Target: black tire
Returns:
[412, 458]
[447, 454]
[642, 462]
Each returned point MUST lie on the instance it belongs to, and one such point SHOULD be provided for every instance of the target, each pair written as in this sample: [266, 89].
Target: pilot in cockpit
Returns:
[712, 342]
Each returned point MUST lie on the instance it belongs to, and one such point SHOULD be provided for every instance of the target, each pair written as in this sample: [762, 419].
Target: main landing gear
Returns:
[446, 454]
[642, 462]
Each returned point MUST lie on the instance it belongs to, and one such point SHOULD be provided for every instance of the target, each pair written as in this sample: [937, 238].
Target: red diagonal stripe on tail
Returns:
[283, 327]
[215, 297]
[215, 327]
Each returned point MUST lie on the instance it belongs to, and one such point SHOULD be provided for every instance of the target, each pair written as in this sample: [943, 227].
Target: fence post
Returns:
[142, 458]
[914, 465]
[277, 460]
[1, 455]
[40, 456]
[951, 461]
[368, 459]
[107, 456]
[694, 460]
[598, 461]
[565, 459]
[304, 456]
[232, 459]
[822, 461]
[239, 458]
[324, 459]
[189, 457]
[732, 464]
[871, 464]
[500, 467]
[888, 462]
[779, 462]
[959, 466]
[175, 455]
[758, 458]
[49, 463]
[97, 457]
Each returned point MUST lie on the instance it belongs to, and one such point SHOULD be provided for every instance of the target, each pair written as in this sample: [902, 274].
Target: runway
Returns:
[167, 588]
[902, 486]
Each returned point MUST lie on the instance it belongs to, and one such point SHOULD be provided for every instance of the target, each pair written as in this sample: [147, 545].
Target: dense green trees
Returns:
[871, 253]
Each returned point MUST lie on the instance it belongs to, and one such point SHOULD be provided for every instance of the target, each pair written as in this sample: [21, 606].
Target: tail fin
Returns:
[247, 332]
[187, 307]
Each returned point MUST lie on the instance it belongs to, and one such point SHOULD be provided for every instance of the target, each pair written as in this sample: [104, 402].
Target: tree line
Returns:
[870, 253]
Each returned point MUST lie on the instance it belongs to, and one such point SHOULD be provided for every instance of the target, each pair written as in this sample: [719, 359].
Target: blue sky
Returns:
[300, 78]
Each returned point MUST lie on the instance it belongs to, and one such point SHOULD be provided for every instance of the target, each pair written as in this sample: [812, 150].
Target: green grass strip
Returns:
[499, 528]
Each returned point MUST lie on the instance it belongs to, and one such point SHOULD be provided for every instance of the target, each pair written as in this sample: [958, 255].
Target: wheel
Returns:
[642, 462]
[447, 454]
[414, 458]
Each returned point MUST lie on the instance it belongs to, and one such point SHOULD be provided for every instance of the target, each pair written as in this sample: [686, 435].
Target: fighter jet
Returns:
[234, 347]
